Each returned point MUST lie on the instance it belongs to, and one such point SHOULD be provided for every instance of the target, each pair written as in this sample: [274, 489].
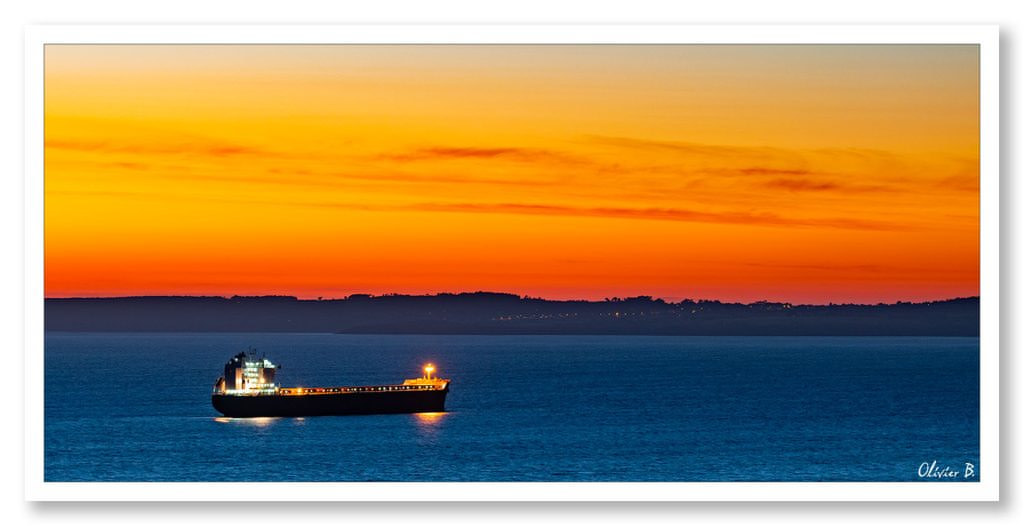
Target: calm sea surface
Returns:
[136, 407]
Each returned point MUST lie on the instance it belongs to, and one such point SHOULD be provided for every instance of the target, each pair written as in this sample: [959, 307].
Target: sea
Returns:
[135, 407]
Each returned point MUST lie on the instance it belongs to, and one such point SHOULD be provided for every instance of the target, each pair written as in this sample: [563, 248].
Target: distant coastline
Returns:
[500, 313]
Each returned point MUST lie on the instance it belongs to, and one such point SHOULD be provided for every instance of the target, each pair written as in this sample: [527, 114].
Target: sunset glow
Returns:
[791, 173]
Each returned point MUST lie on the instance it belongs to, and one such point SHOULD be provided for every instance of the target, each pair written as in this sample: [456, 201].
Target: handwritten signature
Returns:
[932, 470]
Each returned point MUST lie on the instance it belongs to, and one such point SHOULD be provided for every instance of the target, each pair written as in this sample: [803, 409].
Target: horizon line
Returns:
[519, 296]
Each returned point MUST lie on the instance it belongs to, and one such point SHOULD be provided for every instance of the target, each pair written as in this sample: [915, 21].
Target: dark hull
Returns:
[332, 404]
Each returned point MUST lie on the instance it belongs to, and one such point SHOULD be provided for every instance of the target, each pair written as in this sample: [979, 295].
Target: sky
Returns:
[800, 173]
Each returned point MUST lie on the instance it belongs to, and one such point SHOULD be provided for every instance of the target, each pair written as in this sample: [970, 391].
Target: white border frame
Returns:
[987, 36]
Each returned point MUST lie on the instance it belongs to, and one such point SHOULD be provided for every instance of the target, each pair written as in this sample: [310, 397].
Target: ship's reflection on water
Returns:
[428, 420]
[262, 421]
[424, 421]
[428, 424]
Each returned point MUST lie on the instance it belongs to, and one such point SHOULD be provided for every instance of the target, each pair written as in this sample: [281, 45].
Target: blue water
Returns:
[136, 407]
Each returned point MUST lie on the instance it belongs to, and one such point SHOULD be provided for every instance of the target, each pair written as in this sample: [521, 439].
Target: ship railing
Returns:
[296, 391]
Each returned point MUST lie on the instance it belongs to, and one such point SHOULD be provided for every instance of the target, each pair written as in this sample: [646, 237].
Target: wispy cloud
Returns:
[829, 267]
[837, 171]
[761, 170]
[854, 268]
[822, 185]
[964, 181]
[347, 179]
[802, 185]
[637, 213]
[660, 214]
[672, 180]
[210, 148]
[691, 148]
[500, 153]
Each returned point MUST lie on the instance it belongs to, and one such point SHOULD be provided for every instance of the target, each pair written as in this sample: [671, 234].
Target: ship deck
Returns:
[310, 391]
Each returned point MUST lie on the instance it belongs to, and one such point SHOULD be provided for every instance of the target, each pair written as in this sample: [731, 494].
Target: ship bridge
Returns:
[244, 375]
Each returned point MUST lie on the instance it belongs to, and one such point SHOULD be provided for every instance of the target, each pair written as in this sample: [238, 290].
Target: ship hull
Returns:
[370, 403]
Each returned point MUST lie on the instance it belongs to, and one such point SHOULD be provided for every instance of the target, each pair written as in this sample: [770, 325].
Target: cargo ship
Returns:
[249, 389]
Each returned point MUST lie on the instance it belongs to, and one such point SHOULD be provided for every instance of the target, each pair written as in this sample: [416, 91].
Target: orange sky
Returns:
[792, 173]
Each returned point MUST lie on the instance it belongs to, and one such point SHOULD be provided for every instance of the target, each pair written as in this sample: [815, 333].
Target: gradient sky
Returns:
[809, 174]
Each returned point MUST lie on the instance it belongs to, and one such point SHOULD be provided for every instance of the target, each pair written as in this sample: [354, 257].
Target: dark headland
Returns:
[497, 313]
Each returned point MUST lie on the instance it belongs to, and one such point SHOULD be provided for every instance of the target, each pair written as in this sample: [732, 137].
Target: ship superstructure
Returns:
[247, 376]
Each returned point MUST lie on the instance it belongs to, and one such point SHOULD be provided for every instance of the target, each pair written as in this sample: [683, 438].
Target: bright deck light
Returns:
[428, 370]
